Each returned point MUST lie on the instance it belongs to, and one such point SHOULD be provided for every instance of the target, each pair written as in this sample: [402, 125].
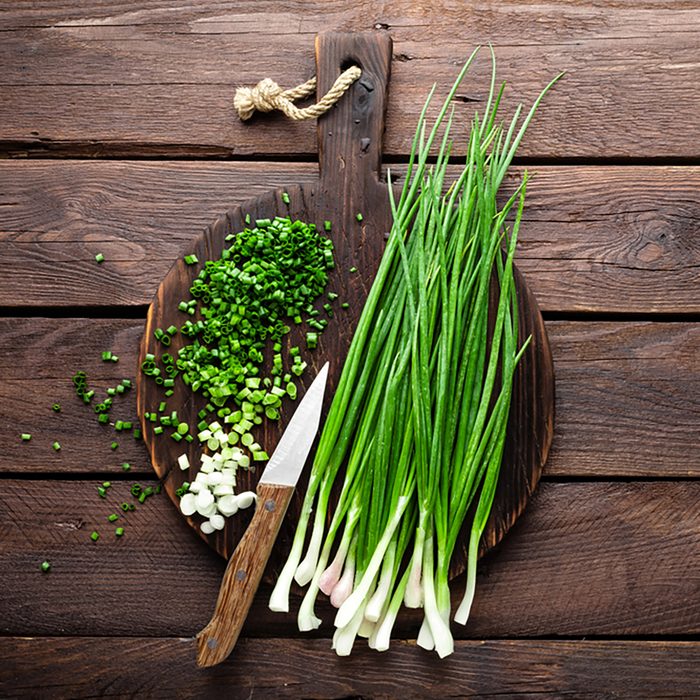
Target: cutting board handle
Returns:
[350, 134]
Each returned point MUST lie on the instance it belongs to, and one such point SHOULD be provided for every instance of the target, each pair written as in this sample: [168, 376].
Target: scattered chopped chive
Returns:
[113, 517]
[103, 418]
[114, 445]
[107, 355]
[126, 466]
[135, 489]
[285, 197]
[332, 296]
[191, 259]
[345, 305]
[311, 340]
[119, 531]
[26, 437]
[56, 407]
[183, 428]
[162, 406]
[100, 258]
[106, 484]
[102, 491]
[125, 507]
[359, 216]
[260, 456]
[169, 393]
[56, 445]
[326, 225]
[94, 535]
[45, 566]
[353, 269]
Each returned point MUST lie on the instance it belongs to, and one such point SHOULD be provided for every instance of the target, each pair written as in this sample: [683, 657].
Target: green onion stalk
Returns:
[420, 414]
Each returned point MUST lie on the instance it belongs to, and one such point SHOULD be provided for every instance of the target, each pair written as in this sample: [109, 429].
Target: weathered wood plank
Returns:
[627, 397]
[93, 78]
[586, 558]
[614, 239]
[164, 668]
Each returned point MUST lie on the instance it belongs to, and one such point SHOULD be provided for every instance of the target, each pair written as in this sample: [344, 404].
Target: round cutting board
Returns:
[349, 138]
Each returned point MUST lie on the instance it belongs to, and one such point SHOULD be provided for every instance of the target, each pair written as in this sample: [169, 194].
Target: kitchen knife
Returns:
[247, 563]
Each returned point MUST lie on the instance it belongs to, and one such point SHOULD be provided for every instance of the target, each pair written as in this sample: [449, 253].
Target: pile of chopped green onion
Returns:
[420, 413]
[241, 309]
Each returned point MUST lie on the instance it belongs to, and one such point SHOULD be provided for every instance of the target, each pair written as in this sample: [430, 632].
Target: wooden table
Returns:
[119, 136]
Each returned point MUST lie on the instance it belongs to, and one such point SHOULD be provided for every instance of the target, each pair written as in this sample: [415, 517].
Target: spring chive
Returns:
[26, 437]
[359, 217]
[119, 531]
[56, 407]
[191, 259]
[45, 566]
[94, 535]
[100, 258]
[113, 517]
[285, 197]
[420, 412]
[56, 446]
[114, 445]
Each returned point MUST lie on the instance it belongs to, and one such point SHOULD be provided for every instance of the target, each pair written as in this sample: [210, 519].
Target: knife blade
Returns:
[287, 461]
[247, 563]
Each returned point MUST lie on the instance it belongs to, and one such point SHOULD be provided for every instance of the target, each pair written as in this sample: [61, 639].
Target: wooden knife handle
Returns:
[243, 573]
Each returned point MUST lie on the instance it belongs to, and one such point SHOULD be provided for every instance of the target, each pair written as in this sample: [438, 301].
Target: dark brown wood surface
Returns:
[583, 560]
[622, 238]
[349, 152]
[281, 668]
[611, 378]
[156, 78]
[125, 111]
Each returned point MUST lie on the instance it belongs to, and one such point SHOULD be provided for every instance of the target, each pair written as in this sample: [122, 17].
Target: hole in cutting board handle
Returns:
[349, 63]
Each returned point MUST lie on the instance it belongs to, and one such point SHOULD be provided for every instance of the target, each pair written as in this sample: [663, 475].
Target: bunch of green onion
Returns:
[420, 413]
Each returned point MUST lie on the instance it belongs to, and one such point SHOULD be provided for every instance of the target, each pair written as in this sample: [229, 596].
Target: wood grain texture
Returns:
[275, 668]
[243, 574]
[158, 78]
[626, 394]
[601, 239]
[350, 149]
[590, 558]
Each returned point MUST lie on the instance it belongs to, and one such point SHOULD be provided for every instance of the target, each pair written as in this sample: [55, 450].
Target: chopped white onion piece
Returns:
[207, 468]
[217, 521]
[215, 478]
[209, 510]
[223, 490]
[206, 527]
[196, 486]
[183, 461]
[246, 499]
[187, 504]
[204, 435]
[228, 476]
[204, 498]
[227, 505]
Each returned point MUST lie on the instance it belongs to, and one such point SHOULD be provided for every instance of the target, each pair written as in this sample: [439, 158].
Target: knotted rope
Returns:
[267, 96]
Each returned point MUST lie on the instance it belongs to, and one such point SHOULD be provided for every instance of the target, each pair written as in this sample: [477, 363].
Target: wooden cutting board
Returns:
[349, 144]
